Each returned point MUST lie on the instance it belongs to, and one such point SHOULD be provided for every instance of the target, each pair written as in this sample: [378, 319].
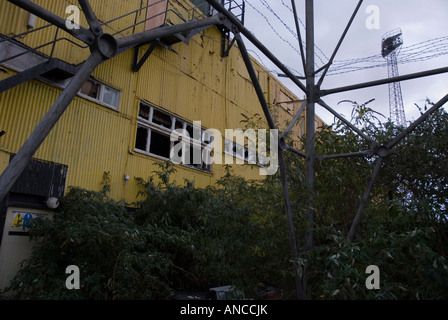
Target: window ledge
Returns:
[143, 153]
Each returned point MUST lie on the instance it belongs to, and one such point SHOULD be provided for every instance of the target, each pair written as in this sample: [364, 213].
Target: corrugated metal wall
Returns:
[191, 81]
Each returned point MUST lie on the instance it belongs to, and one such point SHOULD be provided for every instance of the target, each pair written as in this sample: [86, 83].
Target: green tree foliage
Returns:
[404, 229]
[184, 238]
[181, 238]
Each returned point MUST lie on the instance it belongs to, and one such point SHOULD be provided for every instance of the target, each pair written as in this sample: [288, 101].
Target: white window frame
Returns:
[151, 126]
[100, 95]
[238, 151]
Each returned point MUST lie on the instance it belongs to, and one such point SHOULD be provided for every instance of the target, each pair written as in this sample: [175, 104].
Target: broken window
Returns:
[90, 89]
[160, 144]
[144, 112]
[141, 142]
[153, 138]
[179, 125]
[101, 93]
[162, 119]
[238, 151]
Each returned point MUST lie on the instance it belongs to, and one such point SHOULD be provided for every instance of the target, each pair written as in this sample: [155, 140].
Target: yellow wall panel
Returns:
[192, 82]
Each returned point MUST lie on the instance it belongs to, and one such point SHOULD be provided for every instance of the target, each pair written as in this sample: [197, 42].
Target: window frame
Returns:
[235, 150]
[246, 154]
[151, 126]
[100, 95]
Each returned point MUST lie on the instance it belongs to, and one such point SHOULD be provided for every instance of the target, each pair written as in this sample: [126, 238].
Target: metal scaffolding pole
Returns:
[384, 81]
[127, 42]
[417, 122]
[292, 238]
[327, 67]
[254, 79]
[310, 124]
[299, 34]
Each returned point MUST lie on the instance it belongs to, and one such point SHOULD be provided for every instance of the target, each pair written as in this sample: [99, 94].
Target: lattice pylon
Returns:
[397, 114]
[390, 48]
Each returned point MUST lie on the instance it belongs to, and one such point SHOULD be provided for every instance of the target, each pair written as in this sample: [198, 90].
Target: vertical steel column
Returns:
[310, 118]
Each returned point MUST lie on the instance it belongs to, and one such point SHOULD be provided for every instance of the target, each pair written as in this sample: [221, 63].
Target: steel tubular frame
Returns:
[104, 47]
[310, 145]
[314, 94]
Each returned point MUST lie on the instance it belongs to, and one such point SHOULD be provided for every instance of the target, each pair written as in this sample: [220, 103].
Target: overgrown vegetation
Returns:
[182, 238]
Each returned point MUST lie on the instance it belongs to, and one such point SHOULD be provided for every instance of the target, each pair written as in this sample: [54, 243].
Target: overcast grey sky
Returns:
[419, 20]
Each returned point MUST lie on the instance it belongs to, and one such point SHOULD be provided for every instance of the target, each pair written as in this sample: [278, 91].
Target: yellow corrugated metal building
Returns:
[120, 121]
[191, 82]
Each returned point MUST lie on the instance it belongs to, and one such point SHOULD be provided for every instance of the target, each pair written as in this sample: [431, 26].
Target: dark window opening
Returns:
[190, 130]
[162, 119]
[180, 150]
[144, 112]
[207, 167]
[208, 138]
[160, 144]
[197, 134]
[142, 138]
[179, 125]
[207, 154]
[153, 137]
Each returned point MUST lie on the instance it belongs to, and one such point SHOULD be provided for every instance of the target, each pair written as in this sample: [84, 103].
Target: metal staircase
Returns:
[30, 63]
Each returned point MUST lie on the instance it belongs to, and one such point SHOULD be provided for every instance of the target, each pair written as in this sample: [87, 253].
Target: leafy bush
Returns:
[180, 238]
[404, 229]
[103, 240]
[183, 238]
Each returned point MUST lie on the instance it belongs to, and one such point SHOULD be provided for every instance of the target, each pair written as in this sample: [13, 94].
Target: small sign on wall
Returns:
[22, 221]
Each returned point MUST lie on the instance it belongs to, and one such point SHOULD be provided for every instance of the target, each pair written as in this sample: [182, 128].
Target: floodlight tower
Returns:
[390, 48]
